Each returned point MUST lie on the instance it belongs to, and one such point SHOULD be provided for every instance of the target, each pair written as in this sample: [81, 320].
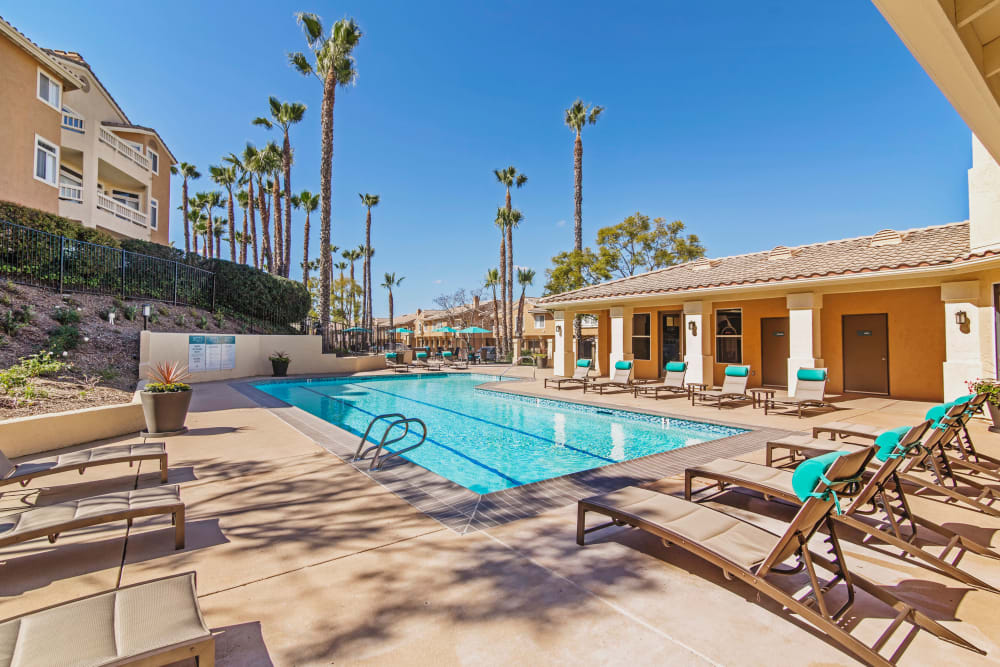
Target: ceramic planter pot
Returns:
[165, 412]
[279, 368]
[995, 415]
[541, 362]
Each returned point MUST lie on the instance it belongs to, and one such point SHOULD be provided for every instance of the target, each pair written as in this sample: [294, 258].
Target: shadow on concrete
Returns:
[241, 645]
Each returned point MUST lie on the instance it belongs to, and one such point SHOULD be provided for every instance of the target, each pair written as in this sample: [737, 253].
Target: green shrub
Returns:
[63, 338]
[130, 312]
[220, 319]
[103, 313]
[154, 319]
[162, 310]
[9, 324]
[179, 320]
[25, 314]
[118, 303]
[15, 381]
[53, 224]
[5, 299]
[108, 374]
[202, 322]
[66, 316]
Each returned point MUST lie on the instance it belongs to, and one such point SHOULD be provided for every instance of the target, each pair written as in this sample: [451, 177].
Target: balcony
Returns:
[120, 210]
[71, 193]
[124, 149]
[72, 121]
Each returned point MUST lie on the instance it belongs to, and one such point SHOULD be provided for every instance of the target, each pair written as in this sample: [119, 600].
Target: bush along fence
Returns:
[261, 302]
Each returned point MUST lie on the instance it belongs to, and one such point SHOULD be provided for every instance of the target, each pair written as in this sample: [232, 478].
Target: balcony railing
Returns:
[121, 210]
[71, 192]
[71, 121]
[124, 149]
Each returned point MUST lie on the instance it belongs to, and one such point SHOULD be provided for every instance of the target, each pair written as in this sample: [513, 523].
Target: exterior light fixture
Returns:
[693, 327]
[558, 329]
[146, 312]
[961, 318]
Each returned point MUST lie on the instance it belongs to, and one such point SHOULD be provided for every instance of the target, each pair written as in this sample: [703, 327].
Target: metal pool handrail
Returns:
[397, 419]
[517, 365]
[358, 455]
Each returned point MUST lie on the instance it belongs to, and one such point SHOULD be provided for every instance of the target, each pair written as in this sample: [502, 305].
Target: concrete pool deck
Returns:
[303, 560]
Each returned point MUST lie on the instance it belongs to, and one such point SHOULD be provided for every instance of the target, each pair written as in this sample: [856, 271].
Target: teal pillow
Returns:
[421, 355]
[446, 354]
[623, 365]
[963, 399]
[887, 442]
[584, 363]
[809, 472]
[815, 374]
[937, 413]
[390, 355]
[737, 371]
[676, 366]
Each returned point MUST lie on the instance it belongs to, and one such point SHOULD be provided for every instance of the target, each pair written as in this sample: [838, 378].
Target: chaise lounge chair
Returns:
[422, 362]
[810, 392]
[620, 379]
[890, 450]
[734, 388]
[581, 375]
[449, 359]
[756, 556]
[673, 381]
[155, 622]
[51, 520]
[83, 459]
[392, 361]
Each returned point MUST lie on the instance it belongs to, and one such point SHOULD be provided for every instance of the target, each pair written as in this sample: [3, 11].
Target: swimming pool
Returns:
[486, 440]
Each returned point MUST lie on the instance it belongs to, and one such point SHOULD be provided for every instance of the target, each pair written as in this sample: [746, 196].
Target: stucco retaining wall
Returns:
[41, 433]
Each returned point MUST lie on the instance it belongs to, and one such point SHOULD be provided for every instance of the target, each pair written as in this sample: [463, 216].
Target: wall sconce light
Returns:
[146, 312]
[693, 327]
[961, 318]
[558, 329]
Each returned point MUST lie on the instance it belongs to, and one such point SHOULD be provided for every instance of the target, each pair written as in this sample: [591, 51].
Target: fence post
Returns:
[123, 273]
[175, 283]
[62, 269]
[213, 292]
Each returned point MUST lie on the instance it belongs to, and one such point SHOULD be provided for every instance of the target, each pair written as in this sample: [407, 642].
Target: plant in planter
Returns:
[165, 399]
[540, 360]
[992, 390]
[279, 363]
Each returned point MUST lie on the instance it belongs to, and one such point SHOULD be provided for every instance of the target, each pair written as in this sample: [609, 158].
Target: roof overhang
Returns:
[958, 44]
[68, 81]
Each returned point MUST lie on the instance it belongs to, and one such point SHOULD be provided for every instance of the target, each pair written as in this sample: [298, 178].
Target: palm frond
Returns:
[260, 120]
[299, 61]
[311, 26]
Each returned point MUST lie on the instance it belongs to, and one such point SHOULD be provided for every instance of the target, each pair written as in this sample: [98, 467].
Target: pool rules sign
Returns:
[211, 353]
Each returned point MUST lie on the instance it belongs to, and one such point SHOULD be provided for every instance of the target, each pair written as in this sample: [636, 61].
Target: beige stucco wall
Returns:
[42, 433]
[22, 116]
[252, 352]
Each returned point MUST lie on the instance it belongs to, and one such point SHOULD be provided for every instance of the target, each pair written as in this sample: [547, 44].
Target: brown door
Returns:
[774, 351]
[866, 354]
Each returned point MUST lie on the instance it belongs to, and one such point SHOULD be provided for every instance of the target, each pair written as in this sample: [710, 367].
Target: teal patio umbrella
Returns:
[402, 330]
[356, 330]
[473, 330]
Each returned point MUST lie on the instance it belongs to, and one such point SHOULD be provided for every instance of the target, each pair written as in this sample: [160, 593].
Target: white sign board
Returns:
[211, 353]
[196, 354]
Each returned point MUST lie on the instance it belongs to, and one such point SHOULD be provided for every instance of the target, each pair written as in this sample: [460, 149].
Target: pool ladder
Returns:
[394, 419]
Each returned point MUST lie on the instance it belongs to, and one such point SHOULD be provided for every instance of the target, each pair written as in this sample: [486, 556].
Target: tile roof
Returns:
[888, 249]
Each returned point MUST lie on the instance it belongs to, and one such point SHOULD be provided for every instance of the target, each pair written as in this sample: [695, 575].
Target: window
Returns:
[154, 160]
[49, 90]
[539, 321]
[729, 336]
[129, 199]
[46, 159]
[588, 321]
[640, 336]
[70, 184]
[154, 211]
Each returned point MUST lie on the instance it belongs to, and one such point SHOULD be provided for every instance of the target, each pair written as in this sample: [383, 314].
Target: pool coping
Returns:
[464, 511]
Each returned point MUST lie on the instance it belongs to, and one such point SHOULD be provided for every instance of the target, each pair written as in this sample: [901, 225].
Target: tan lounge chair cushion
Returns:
[850, 428]
[88, 456]
[742, 543]
[107, 628]
[775, 478]
[804, 442]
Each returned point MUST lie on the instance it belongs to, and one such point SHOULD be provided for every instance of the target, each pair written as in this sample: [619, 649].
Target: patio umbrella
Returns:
[473, 330]
[402, 330]
[356, 330]
[446, 330]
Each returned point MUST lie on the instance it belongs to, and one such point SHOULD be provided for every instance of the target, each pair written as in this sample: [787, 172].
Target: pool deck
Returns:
[303, 560]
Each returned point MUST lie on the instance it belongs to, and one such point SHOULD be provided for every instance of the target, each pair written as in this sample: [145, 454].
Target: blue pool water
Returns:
[487, 441]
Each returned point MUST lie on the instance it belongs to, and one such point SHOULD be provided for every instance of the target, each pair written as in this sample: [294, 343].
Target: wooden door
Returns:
[866, 353]
[774, 351]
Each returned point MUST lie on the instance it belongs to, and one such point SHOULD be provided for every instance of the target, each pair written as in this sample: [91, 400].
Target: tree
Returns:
[245, 164]
[636, 245]
[388, 283]
[501, 221]
[352, 256]
[578, 115]
[333, 65]
[210, 201]
[284, 115]
[187, 172]
[243, 237]
[199, 225]
[342, 266]
[219, 233]
[226, 177]
[368, 201]
[525, 277]
[491, 281]
[574, 269]
[308, 202]
[509, 177]
[196, 203]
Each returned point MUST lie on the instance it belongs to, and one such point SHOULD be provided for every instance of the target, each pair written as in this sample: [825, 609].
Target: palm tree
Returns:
[284, 115]
[391, 281]
[219, 225]
[245, 163]
[577, 116]
[199, 224]
[502, 221]
[226, 177]
[525, 277]
[243, 199]
[341, 266]
[272, 161]
[353, 256]
[334, 65]
[309, 203]
[368, 201]
[492, 280]
[195, 203]
[265, 162]
[509, 177]
[187, 171]
[210, 201]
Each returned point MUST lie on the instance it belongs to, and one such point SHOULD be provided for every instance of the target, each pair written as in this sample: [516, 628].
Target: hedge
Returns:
[53, 224]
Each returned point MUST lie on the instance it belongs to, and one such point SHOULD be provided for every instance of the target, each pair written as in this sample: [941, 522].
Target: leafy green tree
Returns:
[573, 270]
[637, 244]
[491, 281]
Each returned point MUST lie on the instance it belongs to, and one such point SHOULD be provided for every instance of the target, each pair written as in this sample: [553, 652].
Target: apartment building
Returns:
[68, 148]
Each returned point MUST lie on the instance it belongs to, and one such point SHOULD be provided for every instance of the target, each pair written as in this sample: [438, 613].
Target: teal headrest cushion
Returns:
[446, 353]
[936, 413]
[623, 365]
[421, 355]
[737, 371]
[817, 374]
[807, 475]
[676, 366]
[963, 399]
[583, 363]
[886, 442]
[390, 355]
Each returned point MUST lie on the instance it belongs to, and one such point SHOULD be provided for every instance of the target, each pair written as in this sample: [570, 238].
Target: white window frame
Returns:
[588, 321]
[34, 162]
[539, 318]
[154, 220]
[154, 161]
[52, 82]
[129, 198]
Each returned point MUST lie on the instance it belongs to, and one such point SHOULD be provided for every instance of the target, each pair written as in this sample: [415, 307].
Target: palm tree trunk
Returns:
[265, 228]
[496, 314]
[390, 310]
[218, 247]
[253, 226]
[279, 257]
[195, 240]
[286, 163]
[343, 302]
[232, 226]
[354, 311]
[510, 285]
[520, 312]
[243, 240]
[326, 182]
[368, 274]
[187, 222]
[502, 326]
[305, 252]
[208, 246]
[577, 213]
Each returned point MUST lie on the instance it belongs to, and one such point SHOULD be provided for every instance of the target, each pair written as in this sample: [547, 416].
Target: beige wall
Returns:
[252, 352]
[160, 184]
[22, 116]
[42, 433]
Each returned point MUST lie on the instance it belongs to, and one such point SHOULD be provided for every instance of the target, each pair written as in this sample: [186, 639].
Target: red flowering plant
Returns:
[987, 386]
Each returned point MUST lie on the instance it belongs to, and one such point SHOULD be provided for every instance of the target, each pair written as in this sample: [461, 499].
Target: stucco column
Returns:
[697, 340]
[621, 336]
[562, 356]
[962, 341]
[803, 334]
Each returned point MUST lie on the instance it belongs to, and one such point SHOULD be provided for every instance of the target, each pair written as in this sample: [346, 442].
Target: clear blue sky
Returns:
[757, 124]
